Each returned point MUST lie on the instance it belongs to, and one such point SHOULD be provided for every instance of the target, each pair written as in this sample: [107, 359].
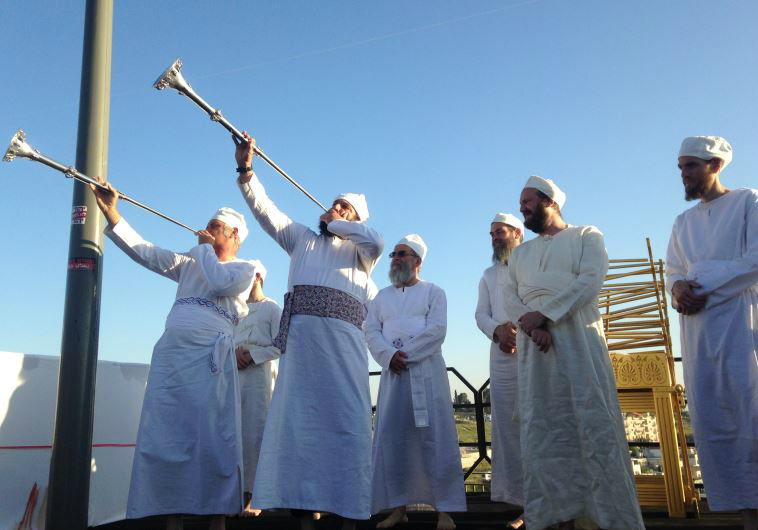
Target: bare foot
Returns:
[317, 516]
[247, 511]
[397, 516]
[517, 524]
[444, 521]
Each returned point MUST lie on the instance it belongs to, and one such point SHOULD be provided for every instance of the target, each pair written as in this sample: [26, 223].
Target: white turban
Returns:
[260, 269]
[416, 243]
[358, 202]
[233, 219]
[549, 188]
[706, 148]
[510, 220]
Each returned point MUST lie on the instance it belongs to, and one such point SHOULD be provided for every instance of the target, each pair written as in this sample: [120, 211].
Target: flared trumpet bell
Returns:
[173, 78]
[19, 147]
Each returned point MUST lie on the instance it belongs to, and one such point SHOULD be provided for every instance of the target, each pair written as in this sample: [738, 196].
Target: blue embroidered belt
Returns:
[320, 301]
[193, 300]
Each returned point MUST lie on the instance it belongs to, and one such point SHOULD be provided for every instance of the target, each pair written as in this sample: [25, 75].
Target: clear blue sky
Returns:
[437, 110]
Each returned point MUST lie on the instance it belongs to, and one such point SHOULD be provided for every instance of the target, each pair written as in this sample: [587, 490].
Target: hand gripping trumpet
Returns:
[19, 147]
[173, 78]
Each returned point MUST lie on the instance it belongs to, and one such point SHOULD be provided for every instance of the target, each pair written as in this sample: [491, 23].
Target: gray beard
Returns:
[401, 274]
[501, 251]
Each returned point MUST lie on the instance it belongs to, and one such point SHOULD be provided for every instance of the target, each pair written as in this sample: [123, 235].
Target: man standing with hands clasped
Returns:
[712, 275]
[507, 233]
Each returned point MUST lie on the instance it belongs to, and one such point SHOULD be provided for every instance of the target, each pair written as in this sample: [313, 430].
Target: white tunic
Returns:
[573, 446]
[507, 481]
[316, 450]
[255, 334]
[189, 454]
[416, 459]
[716, 245]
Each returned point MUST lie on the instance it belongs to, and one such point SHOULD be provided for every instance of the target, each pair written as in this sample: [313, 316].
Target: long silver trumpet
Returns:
[173, 78]
[19, 147]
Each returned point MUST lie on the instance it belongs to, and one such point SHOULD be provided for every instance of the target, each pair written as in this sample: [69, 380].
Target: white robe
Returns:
[416, 459]
[716, 245]
[573, 446]
[188, 457]
[507, 481]
[316, 450]
[255, 334]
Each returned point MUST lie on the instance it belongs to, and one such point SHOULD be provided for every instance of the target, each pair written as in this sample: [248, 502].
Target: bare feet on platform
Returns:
[397, 516]
[517, 524]
[444, 521]
[249, 511]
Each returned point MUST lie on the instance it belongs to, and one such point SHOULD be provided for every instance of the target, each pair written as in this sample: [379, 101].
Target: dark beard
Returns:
[538, 220]
[502, 250]
[322, 228]
[401, 274]
[695, 193]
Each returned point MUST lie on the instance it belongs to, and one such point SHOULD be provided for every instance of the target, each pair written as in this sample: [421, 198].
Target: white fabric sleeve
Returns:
[593, 266]
[165, 262]
[676, 268]
[514, 306]
[369, 242]
[261, 354]
[483, 313]
[274, 222]
[224, 279]
[722, 280]
[381, 349]
[429, 341]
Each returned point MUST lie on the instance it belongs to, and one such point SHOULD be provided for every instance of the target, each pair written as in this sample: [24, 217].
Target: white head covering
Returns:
[260, 269]
[234, 219]
[549, 188]
[416, 243]
[707, 147]
[510, 220]
[358, 202]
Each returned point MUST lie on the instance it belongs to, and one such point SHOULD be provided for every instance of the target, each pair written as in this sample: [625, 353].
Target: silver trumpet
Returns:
[173, 78]
[19, 147]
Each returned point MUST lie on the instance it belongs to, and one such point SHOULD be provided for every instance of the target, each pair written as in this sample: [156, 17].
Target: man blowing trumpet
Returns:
[316, 450]
[188, 458]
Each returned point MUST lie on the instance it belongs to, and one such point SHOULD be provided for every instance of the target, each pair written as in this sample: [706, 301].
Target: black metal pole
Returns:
[70, 465]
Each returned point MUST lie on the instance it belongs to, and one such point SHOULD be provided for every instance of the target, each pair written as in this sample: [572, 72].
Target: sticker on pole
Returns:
[86, 264]
[79, 215]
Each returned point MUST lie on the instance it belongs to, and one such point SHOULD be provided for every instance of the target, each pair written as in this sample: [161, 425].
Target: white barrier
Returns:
[28, 390]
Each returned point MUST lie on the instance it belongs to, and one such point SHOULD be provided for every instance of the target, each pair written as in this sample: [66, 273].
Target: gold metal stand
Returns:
[635, 320]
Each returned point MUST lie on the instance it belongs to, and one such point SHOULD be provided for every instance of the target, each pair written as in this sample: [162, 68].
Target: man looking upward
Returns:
[316, 450]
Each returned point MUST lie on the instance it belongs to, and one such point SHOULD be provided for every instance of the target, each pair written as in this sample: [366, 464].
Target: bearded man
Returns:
[188, 458]
[712, 276]
[316, 450]
[577, 468]
[507, 232]
[416, 459]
